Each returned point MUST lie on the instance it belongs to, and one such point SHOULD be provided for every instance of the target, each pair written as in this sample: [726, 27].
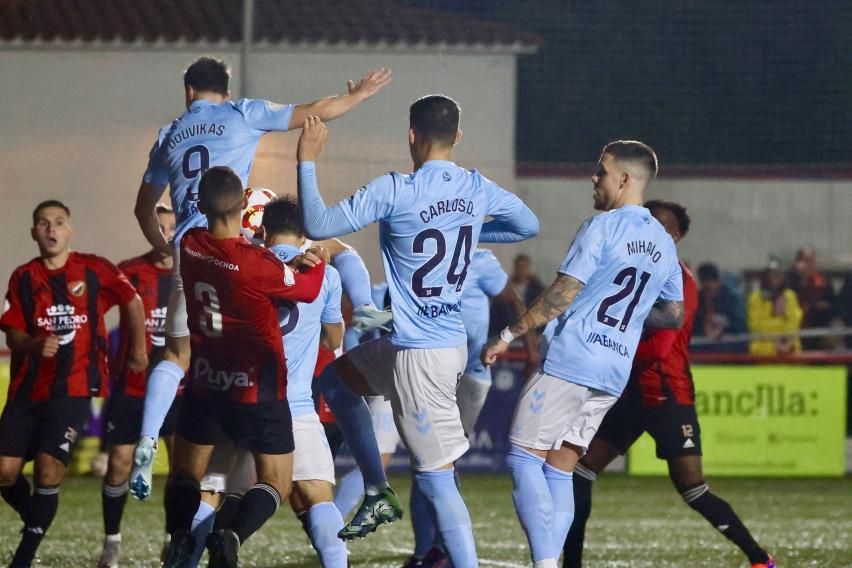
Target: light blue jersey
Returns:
[485, 279]
[208, 135]
[430, 223]
[301, 325]
[627, 261]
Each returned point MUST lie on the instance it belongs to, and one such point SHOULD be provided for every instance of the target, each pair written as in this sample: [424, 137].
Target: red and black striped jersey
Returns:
[69, 302]
[232, 288]
[153, 285]
[661, 364]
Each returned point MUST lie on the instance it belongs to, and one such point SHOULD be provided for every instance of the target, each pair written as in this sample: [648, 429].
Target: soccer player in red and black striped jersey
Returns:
[660, 399]
[151, 275]
[237, 383]
[54, 325]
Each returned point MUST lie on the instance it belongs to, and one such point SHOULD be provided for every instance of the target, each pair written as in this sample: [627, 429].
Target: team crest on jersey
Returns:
[77, 288]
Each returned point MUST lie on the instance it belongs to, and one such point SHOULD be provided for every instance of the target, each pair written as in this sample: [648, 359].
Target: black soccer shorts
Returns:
[263, 428]
[50, 427]
[124, 419]
[673, 426]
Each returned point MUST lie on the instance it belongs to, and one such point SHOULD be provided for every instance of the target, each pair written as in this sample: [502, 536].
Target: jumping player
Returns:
[151, 275]
[213, 131]
[659, 399]
[54, 324]
[618, 266]
[431, 221]
[238, 378]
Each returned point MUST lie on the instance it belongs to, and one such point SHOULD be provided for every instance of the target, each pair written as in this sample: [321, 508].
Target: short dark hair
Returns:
[709, 271]
[163, 208]
[435, 118]
[676, 209]
[208, 74]
[282, 216]
[636, 152]
[220, 190]
[49, 203]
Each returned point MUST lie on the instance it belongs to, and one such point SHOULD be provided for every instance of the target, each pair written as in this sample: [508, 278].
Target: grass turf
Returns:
[636, 522]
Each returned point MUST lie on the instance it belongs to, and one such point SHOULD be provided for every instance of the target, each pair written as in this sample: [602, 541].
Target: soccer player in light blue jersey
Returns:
[303, 327]
[430, 223]
[214, 131]
[486, 279]
[621, 273]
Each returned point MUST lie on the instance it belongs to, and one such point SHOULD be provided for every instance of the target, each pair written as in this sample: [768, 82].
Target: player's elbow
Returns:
[531, 229]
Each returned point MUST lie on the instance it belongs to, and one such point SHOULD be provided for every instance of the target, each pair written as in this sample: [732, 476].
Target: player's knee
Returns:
[177, 351]
[9, 472]
[311, 492]
[119, 465]
[281, 484]
[49, 471]
[685, 473]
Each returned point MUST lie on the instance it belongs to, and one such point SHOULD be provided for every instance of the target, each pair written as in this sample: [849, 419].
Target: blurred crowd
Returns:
[758, 312]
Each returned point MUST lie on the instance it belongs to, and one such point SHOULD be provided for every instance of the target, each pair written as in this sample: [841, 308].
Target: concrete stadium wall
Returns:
[78, 126]
[735, 223]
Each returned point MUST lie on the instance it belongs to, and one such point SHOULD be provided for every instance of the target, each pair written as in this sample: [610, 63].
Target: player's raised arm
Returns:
[512, 221]
[330, 108]
[370, 204]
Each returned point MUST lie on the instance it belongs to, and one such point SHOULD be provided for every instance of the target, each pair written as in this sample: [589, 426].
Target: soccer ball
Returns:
[252, 217]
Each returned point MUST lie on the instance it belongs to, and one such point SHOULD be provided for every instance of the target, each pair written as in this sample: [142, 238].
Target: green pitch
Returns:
[636, 522]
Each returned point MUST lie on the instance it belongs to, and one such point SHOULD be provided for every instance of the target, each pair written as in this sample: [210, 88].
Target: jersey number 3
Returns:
[628, 274]
[211, 316]
[454, 276]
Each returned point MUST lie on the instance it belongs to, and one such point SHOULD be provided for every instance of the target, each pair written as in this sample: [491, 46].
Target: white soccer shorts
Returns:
[421, 385]
[312, 457]
[176, 317]
[387, 435]
[552, 411]
[471, 394]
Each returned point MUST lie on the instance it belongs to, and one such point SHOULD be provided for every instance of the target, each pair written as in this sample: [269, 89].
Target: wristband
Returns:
[506, 335]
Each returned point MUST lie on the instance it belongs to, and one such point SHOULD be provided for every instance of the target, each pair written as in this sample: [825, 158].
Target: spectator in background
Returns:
[774, 309]
[815, 295]
[527, 286]
[721, 311]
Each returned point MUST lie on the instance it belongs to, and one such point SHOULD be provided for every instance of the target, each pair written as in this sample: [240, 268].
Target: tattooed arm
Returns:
[665, 315]
[549, 304]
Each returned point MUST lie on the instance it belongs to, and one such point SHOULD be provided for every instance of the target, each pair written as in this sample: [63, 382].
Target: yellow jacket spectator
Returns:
[774, 308]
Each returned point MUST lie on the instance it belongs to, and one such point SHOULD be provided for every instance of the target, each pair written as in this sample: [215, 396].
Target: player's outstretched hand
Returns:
[46, 346]
[312, 140]
[137, 362]
[492, 349]
[370, 84]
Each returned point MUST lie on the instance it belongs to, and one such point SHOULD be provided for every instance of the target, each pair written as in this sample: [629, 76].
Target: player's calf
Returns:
[719, 513]
[453, 519]
[14, 487]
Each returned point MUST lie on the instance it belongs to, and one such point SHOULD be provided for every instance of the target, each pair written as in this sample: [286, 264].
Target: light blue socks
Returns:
[324, 524]
[533, 503]
[439, 488]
